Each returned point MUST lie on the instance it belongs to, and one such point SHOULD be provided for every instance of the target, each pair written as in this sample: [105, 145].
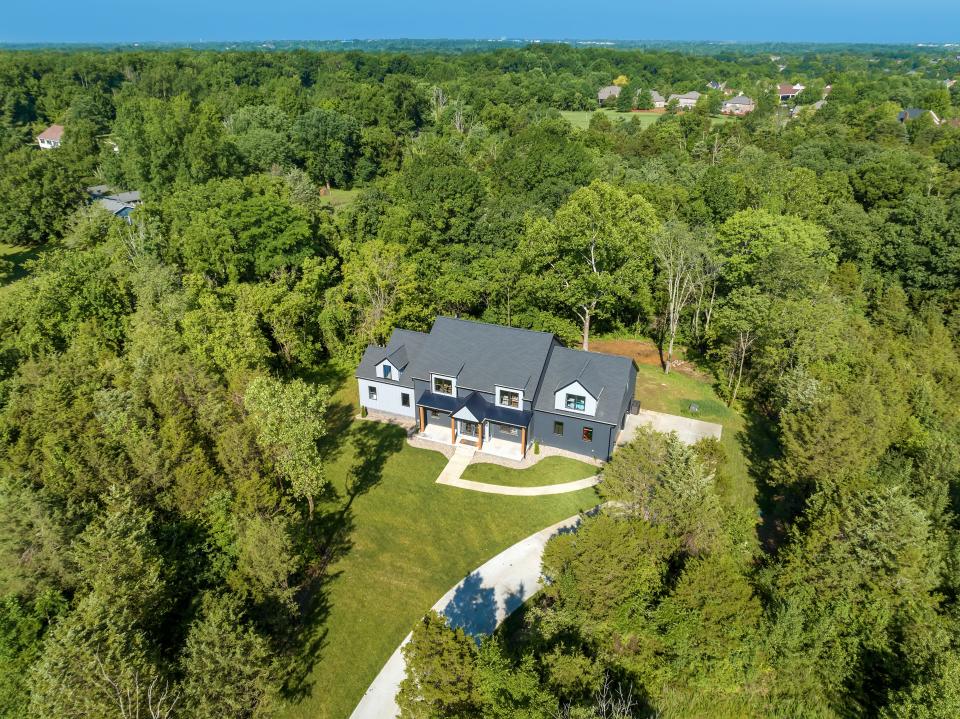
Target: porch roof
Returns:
[479, 407]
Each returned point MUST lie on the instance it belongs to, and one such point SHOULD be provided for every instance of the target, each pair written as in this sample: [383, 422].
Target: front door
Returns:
[469, 429]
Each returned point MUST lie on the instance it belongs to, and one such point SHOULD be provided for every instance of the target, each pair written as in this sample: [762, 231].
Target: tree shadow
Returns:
[330, 532]
[473, 608]
[776, 507]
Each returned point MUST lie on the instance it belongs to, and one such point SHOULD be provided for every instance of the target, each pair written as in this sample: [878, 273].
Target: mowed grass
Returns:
[549, 470]
[407, 541]
[580, 119]
[339, 198]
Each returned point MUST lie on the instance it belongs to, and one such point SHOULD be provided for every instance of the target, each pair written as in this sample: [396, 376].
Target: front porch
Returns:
[482, 435]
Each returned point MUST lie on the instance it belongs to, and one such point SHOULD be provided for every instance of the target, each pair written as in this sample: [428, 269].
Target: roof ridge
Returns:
[467, 320]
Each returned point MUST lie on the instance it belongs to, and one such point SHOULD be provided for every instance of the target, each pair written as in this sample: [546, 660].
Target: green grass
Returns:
[19, 256]
[339, 198]
[549, 470]
[408, 540]
[580, 119]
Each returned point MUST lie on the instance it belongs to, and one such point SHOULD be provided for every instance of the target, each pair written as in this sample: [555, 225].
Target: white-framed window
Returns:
[371, 392]
[444, 385]
[434, 413]
[509, 398]
[576, 402]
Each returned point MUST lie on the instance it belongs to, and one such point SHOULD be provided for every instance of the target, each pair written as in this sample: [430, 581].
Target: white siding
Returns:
[388, 398]
[394, 374]
[560, 399]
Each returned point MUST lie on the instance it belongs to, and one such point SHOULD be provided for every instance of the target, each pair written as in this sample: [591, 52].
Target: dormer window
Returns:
[387, 371]
[576, 403]
[509, 398]
[443, 385]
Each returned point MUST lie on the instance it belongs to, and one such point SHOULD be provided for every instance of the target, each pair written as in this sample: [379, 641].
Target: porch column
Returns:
[453, 430]
[480, 436]
[523, 442]
[423, 418]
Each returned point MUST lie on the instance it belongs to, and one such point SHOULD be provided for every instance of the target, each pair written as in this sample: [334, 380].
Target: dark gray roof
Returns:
[483, 356]
[133, 196]
[738, 100]
[402, 345]
[609, 378]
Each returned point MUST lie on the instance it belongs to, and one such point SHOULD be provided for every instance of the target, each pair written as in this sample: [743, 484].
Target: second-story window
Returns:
[509, 399]
[576, 402]
[442, 385]
[386, 371]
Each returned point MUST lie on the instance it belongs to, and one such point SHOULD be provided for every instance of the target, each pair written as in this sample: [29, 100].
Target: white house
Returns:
[739, 105]
[50, 138]
[685, 101]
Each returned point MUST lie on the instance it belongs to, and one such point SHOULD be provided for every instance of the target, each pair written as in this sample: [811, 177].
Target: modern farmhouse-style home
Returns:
[499, 388]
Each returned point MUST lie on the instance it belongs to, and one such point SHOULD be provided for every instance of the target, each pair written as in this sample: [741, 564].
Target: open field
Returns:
[406, 541]
[339, 198]
[581, 118]
[549, 470]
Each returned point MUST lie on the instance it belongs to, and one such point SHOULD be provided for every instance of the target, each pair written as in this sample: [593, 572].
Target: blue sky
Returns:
[743, 20]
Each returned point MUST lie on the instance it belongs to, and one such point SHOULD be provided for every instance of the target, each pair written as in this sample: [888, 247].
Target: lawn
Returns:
[581, 118]
[549, 470]
[407, 541]
[19, 256]
[339, 198]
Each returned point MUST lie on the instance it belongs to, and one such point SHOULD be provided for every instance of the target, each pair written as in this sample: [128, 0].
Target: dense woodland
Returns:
[163, 515]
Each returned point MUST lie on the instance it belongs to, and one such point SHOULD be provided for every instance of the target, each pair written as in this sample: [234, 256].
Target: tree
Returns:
[228, 667]
[441, 668]
[593, 253]
[329, 144]
[290, 420]
[38, 192]
[682, 266]
[740, 318]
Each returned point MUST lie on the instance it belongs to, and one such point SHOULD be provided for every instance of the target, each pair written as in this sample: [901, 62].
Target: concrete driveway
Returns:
[478, 603]
[689, 431]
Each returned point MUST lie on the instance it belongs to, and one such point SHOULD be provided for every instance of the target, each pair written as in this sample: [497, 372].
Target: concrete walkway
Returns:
[479, 603]
[462, 456]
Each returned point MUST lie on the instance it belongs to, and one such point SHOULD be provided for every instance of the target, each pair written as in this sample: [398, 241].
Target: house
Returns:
[686, 100]
[786, 91]
[714, 85]
[608, 93]
[912, 113]
[499, 388]
[739, 105]
[50, 138]
[119, 204]
[658, 101]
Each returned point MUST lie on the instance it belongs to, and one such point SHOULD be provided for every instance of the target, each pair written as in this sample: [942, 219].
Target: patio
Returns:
[491, 445]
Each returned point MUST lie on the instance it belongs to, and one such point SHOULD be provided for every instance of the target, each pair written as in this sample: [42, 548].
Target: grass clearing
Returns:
[549, 470]
[339, 198]
[19, 255]
[407, 541]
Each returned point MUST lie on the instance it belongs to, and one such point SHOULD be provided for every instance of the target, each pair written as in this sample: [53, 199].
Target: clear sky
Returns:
[219, 20]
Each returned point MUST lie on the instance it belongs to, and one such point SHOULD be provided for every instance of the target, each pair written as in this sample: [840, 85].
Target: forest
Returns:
[166, 518]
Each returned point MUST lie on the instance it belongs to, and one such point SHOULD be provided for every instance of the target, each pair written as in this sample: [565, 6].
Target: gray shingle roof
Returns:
[402, 345]
[738, 100]
[483, 356]
[605, 93]
[607, 377]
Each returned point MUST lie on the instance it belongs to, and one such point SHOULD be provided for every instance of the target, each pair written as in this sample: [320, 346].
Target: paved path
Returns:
[479, 603]
[689, 431]
[463, 455]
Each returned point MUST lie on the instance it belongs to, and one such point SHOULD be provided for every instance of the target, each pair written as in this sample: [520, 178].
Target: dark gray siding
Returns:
[572, 439]
[442, 421]
[498, 433]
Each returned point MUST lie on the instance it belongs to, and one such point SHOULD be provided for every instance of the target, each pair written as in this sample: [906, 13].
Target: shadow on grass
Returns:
[776, 507]
[371, 445]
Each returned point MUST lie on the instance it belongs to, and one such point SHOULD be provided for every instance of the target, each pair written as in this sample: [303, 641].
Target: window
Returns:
[442, 385]
[577, 402]
[372, 392]
[558, 428]
[434, 413]
[507, 430]
[588, 434]
[509, 399]
[405, 399]
[386, 371]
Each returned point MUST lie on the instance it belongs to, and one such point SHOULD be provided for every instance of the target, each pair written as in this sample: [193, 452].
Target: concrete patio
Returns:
[688, 430]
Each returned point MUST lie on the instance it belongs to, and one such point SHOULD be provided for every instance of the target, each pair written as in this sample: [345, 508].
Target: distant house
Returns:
[50, 138]
[739, 105]
[912, 113]
[119, 204]
[787, 91]
[608, 94]
[686, 100]
[658, 101]
[714, 85]
[949, 83]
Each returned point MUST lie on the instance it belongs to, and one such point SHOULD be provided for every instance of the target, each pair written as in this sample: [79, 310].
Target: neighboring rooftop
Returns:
[738, 100]
[605, 93]
[53, 133]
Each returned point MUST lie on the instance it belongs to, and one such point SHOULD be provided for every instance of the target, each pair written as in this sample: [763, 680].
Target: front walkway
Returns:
[478, 603]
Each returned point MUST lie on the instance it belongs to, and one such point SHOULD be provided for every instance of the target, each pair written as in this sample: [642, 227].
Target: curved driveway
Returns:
[478, 603]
